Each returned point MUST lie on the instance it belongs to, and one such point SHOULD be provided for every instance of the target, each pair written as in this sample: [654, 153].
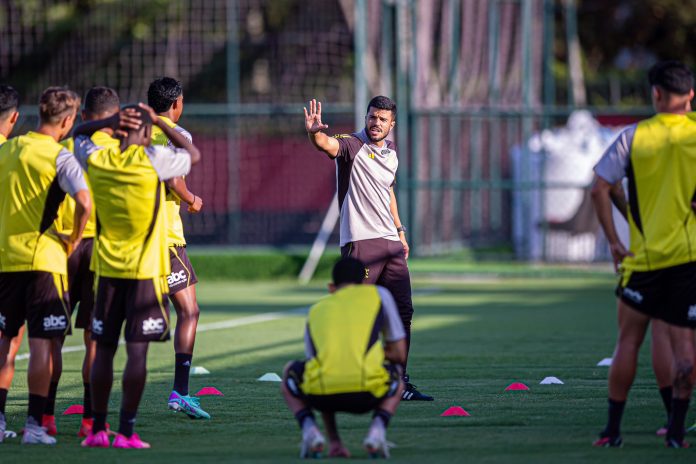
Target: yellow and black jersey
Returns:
[129, 194]
[35, 174]
[175, 227]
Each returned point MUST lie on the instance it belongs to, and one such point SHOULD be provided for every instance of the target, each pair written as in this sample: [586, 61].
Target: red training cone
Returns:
[209, 391]
[516, 386]
[455, 411]
[74, 409]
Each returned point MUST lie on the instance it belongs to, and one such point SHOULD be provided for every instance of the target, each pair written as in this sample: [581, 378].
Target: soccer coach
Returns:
[371, 230]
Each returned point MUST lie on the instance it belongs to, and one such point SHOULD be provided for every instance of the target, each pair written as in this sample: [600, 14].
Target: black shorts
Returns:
[81, 283]
[38, 297]
[182, 275]
[668, 294]
[141, 303]
[355, 403]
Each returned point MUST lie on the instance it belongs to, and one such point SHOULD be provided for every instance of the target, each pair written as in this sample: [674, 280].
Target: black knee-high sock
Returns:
[86, 401]
[3, 400]
[51, 400]
[616, 409]
[666, 394]
[99, 423]
[126, 423]
[303, 415]
[37, 405]
[182, 366]
[677, 419]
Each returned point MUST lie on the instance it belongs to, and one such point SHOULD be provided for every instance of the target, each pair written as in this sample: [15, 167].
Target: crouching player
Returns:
[130, 259]
[345, 369]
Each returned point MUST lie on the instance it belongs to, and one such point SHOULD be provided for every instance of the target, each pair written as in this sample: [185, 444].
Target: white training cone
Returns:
[551, 381]
[269, 377]
[605, 362]
[199, 370]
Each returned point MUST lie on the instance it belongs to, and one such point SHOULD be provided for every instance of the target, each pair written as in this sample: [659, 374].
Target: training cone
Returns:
[551, 381]
[605, 362]
[455, 411]
[74, 409]
[209, 391]
[517, 386]
[269, 377]
[199, 370]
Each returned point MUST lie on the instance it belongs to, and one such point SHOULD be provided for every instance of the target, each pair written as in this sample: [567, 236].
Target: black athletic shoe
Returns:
[411, 393]
[675, 443]
[608, 442]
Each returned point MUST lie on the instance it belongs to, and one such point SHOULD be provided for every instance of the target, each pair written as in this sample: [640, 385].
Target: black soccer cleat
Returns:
[676, 443]
[411, 393]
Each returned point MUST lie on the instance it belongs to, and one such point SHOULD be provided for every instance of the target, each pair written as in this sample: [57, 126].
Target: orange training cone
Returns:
[455, 411]
[209, 391]
[517, 386]
[74, 409]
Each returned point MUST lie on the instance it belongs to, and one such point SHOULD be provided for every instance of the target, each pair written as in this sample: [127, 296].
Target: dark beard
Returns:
[377, 140]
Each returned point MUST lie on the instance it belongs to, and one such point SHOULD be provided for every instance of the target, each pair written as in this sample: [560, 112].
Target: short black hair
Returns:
[672, 76]
[144, 116]
[9, 100]
[348, 271]
[381, 102]
[162, 93]
[99, 100]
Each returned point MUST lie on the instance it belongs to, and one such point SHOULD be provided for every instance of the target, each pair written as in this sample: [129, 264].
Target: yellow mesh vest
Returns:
[175, 228]
[131, 225]
[662, 181]
[349, 354]
[29, 201]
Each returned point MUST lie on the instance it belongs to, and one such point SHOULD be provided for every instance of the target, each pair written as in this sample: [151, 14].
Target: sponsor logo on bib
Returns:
[153, 326]
[54, 323]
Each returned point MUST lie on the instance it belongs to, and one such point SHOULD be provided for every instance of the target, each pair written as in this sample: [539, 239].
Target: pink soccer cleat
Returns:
[96, 440]
[134, 442]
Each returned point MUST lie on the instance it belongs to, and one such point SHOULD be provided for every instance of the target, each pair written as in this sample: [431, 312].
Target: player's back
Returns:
[29, 201]
[128, 196]
[662, 180]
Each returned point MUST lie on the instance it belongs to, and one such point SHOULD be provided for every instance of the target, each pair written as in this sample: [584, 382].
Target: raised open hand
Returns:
[313, 122]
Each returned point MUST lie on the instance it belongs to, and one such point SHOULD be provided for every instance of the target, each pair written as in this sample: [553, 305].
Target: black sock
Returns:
[182, 366]
[126, 423]
[86, 402]
[51, 400]
[675, 429]
[303, 415]
[616, 409]
[3, 400]
[666, 394]
[384, 415]
[99, 423]
[37, 406]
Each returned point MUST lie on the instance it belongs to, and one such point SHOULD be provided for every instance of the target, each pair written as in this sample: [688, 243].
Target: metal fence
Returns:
[473, 79]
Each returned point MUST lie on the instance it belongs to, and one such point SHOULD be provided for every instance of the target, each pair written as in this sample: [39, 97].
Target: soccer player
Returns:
[371, 230]
[165, 96]
[345, 369]
[99, 103]
[658, 280]
[130, 259]
[35, 174]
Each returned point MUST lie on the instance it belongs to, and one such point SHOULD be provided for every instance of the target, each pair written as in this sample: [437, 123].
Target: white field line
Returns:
[220, 325]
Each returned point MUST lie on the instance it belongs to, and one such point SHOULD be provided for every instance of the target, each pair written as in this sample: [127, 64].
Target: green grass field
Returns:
[472, 337]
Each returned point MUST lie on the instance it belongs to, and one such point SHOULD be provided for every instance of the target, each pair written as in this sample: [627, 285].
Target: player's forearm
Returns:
[83, 208]
[324, 143]
[394, 209]
[395, 351]
[178, 186]
[180, 141]
[601, 197]
[618, 198]
[90, 127]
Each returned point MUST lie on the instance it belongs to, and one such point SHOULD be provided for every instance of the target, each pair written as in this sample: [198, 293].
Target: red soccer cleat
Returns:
[49, 423]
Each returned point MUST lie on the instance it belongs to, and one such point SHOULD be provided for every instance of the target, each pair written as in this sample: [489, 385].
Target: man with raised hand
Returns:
[658, 272]
[35, 174]
[347, 367]
[130, 259]
[370, 227]
[165, 96]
